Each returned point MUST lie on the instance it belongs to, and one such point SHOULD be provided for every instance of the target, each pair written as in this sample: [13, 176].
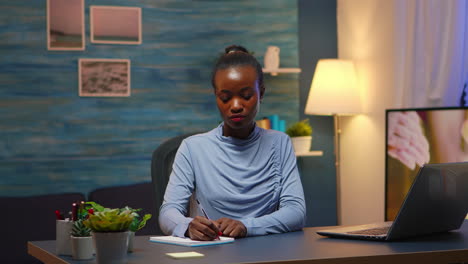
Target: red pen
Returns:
[90, 212]
[58, 215]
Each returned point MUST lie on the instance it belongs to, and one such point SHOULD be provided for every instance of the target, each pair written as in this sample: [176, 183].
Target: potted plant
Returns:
[81, 241]
[136, 225]
[110, 232]
[301, 136]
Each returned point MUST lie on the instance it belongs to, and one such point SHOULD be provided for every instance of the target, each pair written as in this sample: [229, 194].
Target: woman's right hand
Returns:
[203, 229]
[406, 140]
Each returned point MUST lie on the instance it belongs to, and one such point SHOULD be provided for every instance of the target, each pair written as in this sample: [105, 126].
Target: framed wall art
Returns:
[65, 25]
[115, 25]
[104, 77]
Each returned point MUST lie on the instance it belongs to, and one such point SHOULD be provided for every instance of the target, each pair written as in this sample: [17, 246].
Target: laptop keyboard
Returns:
[372, 231]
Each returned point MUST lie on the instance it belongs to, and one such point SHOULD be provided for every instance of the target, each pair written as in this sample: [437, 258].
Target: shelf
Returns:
[310, 153]
[275, 72]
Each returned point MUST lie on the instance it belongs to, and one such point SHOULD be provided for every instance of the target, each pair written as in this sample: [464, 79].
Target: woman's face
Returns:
[238, 98]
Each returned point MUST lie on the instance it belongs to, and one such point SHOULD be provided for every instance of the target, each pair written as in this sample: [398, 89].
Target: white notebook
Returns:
[181, 241]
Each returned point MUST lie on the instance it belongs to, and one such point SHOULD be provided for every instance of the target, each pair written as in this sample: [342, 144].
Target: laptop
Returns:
[436, 202]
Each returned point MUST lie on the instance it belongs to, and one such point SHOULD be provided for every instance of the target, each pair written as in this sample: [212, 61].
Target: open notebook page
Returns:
[182, 241]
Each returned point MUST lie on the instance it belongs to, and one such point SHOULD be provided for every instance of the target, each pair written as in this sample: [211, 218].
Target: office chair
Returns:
[161, 168]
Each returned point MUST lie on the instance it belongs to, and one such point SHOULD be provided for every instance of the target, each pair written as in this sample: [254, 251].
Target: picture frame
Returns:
[104, 77]
[65, 25]
[115, 25]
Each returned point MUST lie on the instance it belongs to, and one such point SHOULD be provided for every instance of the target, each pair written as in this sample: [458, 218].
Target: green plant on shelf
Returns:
[300, 129]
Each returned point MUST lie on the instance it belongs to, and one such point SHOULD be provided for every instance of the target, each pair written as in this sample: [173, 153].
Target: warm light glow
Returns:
[334, 89]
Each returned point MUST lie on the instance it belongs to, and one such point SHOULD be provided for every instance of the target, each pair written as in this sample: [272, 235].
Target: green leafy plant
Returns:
[101, 219]
[138, 223]
[80, 230]
[300, 129]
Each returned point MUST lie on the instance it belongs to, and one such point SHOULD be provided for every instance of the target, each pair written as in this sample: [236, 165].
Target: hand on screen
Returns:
[202, 228]
[406, 141]
[232, 228]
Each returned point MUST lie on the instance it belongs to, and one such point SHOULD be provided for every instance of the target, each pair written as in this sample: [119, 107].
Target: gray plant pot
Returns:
[131, 237]
[111, 247]
[62, 237]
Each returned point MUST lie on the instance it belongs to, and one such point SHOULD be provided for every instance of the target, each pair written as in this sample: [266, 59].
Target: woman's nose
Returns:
[236, 106]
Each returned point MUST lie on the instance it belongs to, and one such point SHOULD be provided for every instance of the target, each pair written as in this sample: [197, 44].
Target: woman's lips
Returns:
[237, 118]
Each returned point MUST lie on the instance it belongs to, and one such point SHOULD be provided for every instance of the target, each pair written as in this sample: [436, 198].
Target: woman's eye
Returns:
[247, 96]
[224, 98]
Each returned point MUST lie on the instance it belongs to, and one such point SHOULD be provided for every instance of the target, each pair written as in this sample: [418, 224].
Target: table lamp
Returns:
[334, 91]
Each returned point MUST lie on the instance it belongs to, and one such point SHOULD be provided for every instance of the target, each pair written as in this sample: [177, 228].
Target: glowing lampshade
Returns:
[334, 89]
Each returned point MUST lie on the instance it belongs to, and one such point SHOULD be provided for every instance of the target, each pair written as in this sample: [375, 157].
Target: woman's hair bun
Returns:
[234, 48]
[234, 56]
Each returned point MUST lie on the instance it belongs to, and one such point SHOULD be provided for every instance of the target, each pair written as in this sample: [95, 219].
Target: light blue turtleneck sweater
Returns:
[253, 180]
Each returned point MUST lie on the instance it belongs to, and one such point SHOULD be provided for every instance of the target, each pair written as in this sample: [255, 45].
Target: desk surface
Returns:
[295, 247]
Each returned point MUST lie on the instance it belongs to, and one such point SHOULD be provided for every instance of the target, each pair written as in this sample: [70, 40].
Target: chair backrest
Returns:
[30, 218]
[136, 196]
[161, 168]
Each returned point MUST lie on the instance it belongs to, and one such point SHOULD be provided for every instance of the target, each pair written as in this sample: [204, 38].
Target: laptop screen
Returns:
[416, 136]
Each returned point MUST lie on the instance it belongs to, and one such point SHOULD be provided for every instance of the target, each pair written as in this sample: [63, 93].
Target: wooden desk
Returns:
[295, 247]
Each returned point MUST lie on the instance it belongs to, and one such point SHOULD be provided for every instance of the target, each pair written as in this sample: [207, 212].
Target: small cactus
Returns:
[80, 230]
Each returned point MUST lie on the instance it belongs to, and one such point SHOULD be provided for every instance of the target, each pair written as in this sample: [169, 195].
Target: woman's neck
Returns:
[241, 133]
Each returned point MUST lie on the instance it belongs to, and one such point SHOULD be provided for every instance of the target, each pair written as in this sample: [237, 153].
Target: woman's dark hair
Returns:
[233, 56]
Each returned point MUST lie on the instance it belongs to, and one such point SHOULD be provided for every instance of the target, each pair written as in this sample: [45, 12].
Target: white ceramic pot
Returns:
[302, 144]
[82, 247]
[111, 247]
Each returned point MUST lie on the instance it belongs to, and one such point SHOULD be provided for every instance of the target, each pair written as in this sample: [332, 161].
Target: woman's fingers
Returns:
[202, 229]
[232, 228]
[406, 140]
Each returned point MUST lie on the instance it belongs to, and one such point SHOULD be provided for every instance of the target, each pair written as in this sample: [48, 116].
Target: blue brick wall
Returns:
[52, 140]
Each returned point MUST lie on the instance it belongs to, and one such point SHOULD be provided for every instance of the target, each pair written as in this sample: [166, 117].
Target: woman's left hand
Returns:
[231, 228]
